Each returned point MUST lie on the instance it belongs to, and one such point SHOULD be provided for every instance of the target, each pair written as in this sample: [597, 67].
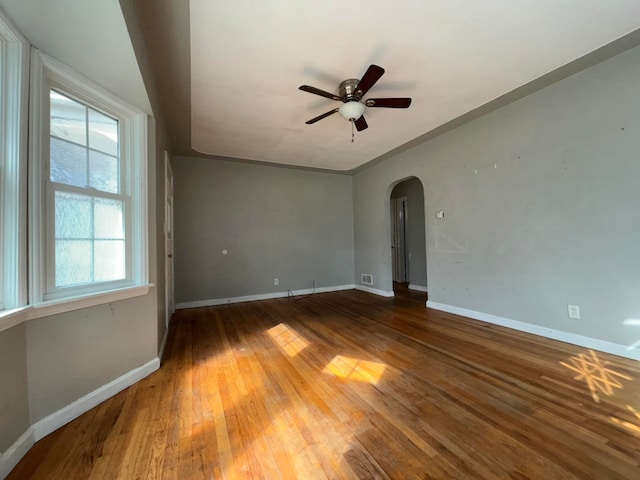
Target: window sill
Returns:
[11, 318]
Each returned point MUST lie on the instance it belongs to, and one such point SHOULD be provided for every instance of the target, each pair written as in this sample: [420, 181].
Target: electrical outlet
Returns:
[276, 281]
[573, 311]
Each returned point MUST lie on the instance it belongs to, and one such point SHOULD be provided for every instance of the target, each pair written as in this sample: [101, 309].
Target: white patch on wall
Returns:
[366, 279]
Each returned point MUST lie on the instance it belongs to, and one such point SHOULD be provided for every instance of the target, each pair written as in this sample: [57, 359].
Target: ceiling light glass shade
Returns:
[351, 110]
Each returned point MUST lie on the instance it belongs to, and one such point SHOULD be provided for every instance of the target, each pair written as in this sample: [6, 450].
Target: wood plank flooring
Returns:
[350, 385]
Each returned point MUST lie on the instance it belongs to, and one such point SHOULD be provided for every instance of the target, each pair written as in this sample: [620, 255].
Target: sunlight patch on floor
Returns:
[355, 369]
[600, 379]
[634, 427]
[288, 339]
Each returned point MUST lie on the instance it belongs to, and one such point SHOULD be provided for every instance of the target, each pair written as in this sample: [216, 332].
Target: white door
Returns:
[168, 237]
[398, 240]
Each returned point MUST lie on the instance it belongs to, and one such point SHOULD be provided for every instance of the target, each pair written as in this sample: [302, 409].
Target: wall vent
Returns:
[366, 278]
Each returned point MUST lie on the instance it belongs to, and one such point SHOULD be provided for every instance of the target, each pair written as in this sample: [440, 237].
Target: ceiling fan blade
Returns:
[388, 102]
[317, 91]
[361, 124]
[320, 117]
[371, 76]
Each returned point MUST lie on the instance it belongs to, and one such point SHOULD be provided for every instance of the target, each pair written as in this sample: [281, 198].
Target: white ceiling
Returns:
[248, 59]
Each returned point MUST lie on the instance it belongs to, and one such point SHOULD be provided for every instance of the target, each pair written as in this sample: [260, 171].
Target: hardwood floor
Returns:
[350, 385]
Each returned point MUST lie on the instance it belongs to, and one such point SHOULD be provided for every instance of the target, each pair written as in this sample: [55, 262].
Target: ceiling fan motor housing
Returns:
[348, 91]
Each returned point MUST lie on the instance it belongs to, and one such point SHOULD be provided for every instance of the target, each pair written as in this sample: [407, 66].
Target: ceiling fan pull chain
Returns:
[352, 132]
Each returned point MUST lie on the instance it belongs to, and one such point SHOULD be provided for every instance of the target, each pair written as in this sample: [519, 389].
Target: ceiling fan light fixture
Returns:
[351, 110]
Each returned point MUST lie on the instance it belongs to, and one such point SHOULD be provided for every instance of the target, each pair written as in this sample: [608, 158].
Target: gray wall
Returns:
[72, 354]
[14, 411]
[156, 237]
[141, 17]
[290, 224]
[541, 206]
[415, 229]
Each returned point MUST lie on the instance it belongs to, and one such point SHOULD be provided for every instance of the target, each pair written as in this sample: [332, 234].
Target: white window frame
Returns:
[47, 73]
[14, 68]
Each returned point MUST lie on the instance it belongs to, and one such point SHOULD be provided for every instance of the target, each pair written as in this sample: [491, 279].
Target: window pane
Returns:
[103, 133]
[109, 260]
[68, 163]
[68, 118]
[73, 262]
[109, 219]
[103, 172]
[73, 216]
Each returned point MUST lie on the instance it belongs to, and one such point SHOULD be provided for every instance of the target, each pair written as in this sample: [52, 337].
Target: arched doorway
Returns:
[408, 236]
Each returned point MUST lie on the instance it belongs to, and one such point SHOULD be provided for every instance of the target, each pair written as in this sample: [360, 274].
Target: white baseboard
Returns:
[567, 337]
[375, 291]
[263, 296]
[419, 288]
[10, 458]
[44, 427]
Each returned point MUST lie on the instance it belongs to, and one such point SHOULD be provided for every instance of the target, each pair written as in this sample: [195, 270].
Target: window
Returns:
[13, 128]
[88, 163]
[87, 204]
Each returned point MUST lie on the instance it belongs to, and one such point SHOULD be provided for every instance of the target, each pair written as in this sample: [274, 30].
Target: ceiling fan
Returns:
[351, 92]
